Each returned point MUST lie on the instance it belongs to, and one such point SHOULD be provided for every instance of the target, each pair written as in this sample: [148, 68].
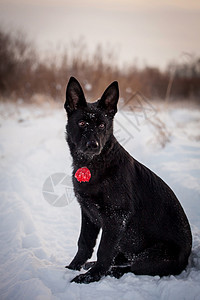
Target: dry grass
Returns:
[25, 75]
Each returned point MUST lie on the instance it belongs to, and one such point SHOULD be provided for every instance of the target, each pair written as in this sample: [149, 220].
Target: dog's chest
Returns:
[95, 214]
[94, 208]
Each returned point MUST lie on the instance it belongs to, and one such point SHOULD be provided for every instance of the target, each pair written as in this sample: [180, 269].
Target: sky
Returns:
[147, 32]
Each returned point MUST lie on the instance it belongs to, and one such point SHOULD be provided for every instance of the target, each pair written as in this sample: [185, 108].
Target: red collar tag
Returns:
[83, 175]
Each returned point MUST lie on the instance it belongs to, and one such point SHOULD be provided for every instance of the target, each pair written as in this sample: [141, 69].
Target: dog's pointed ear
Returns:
[110, 98]
[74, 96]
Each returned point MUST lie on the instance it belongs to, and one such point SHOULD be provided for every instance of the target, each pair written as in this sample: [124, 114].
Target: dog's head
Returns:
[90, 125]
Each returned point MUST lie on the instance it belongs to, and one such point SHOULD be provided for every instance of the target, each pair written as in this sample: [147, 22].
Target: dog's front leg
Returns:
[107, 251]
[86, 243]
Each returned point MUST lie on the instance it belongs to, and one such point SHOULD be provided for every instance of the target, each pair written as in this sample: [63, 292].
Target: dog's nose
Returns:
[92, 144]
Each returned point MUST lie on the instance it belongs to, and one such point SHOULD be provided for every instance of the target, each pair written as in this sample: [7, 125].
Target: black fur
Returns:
[144, 228]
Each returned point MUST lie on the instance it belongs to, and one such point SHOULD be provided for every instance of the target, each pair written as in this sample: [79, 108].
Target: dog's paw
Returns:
[75, 267]
[86, 278]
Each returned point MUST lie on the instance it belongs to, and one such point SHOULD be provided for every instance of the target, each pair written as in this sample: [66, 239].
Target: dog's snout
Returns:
[92, 144]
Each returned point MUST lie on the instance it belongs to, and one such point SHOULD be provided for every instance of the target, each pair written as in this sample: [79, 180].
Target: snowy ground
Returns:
[38, 239]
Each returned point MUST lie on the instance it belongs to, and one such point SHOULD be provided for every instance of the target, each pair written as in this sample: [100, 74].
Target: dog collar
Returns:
[83, 174]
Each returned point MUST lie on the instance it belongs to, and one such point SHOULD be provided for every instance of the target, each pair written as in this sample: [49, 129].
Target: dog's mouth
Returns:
[90, 153]
[90, 148]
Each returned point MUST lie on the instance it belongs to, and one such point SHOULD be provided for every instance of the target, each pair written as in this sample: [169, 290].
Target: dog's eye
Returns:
[102, 126]
[82, 123]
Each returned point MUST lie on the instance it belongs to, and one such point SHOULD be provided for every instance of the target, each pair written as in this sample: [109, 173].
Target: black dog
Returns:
[144, 228]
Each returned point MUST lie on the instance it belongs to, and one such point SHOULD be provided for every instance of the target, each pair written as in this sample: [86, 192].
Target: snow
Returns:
[38, 239]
